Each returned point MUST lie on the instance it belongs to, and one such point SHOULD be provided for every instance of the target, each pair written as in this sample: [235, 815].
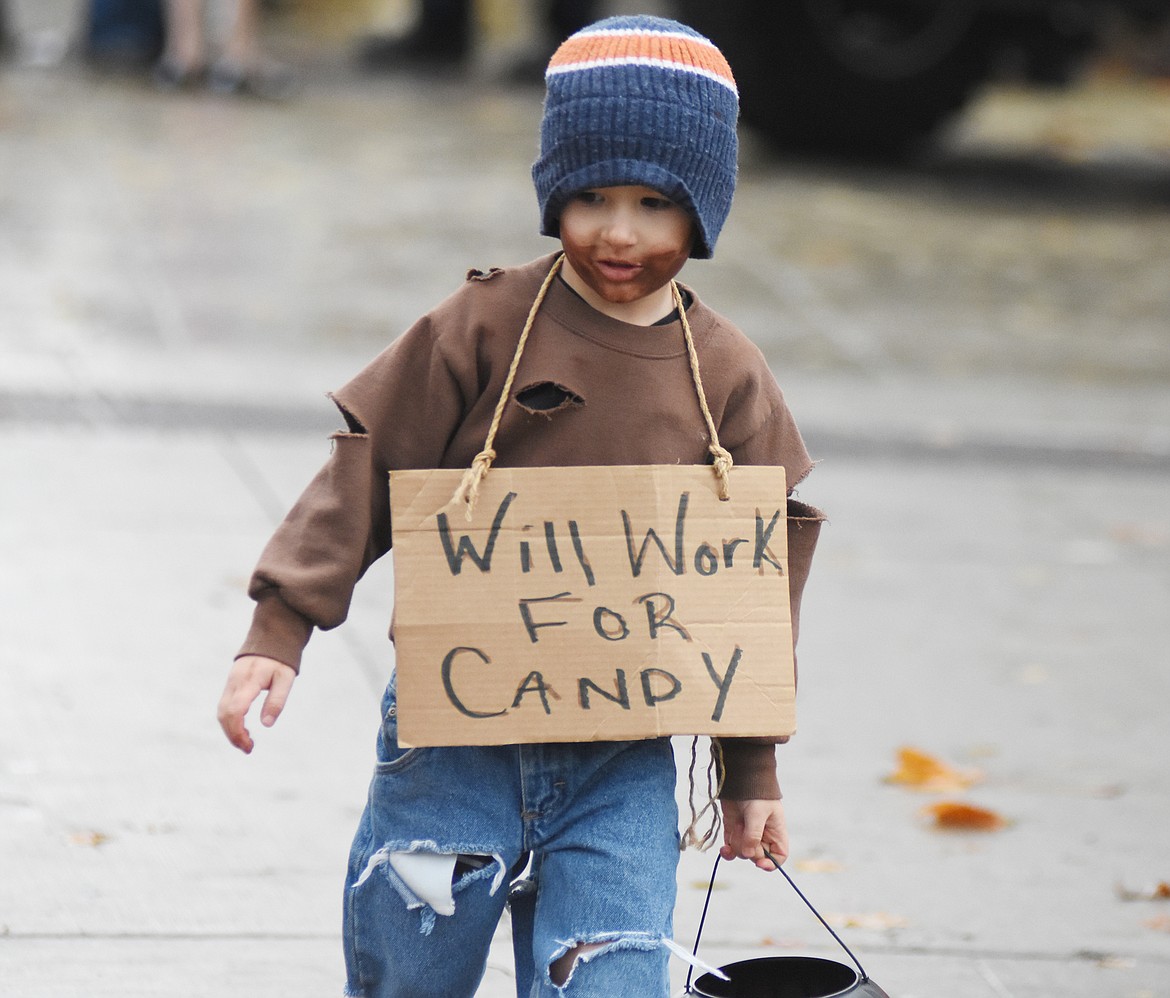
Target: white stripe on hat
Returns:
[613, 61]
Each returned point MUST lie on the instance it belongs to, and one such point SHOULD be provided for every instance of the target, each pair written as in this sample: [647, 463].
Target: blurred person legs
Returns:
[441, 36]
[241, 66]
[184, 58]
[562, 18]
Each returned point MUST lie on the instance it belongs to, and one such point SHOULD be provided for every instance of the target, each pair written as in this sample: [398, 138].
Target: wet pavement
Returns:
[978, 349]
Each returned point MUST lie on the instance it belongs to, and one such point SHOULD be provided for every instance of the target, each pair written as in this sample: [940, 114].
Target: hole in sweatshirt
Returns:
[547, 397]
[352, 423]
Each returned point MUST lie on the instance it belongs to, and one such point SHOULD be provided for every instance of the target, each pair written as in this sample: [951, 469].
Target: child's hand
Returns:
[750, 827]
[250, 676]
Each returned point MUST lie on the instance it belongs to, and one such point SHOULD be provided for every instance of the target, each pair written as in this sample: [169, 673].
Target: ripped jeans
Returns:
[598, 820]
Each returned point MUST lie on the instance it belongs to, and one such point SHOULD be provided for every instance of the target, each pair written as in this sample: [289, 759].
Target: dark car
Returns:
[876, 76]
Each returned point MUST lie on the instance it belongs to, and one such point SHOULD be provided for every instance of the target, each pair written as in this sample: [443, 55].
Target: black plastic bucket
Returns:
[784, 976]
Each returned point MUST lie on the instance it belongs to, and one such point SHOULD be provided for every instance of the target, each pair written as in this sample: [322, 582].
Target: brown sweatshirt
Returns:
[590, 390]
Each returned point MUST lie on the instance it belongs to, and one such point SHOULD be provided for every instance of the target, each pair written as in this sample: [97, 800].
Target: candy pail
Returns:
[784, 976]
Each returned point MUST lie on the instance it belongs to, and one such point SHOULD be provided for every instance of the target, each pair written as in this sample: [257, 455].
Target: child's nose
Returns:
[620, 229]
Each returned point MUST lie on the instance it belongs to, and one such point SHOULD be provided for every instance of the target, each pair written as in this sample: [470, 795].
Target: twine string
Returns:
[467, 493]
[722, 457]
[715, 770]
[468, 490]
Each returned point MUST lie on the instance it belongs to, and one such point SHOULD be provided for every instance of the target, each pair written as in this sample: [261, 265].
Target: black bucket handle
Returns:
[799, 894]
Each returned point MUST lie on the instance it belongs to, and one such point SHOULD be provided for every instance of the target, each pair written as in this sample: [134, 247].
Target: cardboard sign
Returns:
[591, 604]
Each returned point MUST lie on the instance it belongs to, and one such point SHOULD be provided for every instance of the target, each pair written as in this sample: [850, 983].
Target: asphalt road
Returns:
[977, 347]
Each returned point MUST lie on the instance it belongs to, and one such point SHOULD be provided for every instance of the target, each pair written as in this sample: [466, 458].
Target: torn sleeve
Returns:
[399, 412]
[308, 569]
[762, 431]
[749, 764]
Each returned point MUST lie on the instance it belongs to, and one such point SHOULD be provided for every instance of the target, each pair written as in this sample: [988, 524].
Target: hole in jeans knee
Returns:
[561, 969]
[565, 963]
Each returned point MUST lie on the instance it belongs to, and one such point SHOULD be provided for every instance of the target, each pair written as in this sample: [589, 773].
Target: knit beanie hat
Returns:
[645, 101]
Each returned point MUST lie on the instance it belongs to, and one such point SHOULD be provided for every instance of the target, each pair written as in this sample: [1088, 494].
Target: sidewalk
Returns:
[180, 283]
[143, 857]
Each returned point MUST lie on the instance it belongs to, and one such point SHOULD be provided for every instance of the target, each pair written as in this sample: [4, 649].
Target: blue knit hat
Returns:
[645, 101]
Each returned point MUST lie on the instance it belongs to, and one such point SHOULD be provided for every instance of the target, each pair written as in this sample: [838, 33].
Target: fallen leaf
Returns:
[1110, 791]
[1034, 675]
[868, 920]
[819, 866]
[920, 771]
[89, 838]
[1159, 892]
[1140, 535]
[957, 816]
[779, 942]
[1159, 924]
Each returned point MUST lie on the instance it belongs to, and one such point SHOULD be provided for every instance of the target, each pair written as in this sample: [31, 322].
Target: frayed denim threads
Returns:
[600, 824]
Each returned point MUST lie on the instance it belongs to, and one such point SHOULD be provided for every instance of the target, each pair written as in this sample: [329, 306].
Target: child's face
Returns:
[625, 244]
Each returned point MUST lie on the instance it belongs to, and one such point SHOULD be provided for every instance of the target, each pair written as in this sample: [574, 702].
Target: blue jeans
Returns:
[598, 821]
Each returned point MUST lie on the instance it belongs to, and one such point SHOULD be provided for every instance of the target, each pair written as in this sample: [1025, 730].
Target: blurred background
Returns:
[951, 239]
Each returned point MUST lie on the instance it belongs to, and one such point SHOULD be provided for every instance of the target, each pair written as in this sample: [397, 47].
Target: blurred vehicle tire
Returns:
[864, 77]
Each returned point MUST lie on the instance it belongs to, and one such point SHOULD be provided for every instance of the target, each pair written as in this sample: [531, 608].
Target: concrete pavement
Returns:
[182, 278]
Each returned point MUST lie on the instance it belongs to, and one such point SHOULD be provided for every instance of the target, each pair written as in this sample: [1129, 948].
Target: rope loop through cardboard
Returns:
[468, 490]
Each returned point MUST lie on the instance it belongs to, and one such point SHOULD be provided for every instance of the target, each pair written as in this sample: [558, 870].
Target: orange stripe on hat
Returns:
[664, 49]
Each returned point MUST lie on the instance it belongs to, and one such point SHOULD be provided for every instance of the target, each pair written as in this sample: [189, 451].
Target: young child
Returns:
[636, 174]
